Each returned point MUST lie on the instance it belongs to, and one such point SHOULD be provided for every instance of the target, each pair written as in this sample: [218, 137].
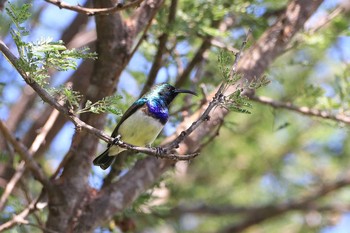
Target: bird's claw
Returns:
[117, 139]
[160, 151]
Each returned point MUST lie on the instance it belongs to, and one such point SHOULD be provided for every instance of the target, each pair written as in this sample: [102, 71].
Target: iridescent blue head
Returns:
[166, 93]
[159, 98]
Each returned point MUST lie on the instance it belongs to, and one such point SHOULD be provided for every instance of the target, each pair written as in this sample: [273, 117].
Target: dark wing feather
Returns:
[136, 105]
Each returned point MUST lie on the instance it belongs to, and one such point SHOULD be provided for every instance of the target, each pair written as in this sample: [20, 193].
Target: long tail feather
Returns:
[104, 160]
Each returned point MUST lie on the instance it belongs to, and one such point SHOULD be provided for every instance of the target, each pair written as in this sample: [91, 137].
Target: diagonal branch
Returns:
[40, 138]
[19, 219]
[27, 157]
[11, 184]
[198, 57]
[341, 118]
[261, 214]
[223, 24]
[163, 39]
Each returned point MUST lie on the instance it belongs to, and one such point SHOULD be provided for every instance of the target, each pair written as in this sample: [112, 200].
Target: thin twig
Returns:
[221, 45]
[302, 110]
[11, 184]
[40, 138]
[27, 193]
[227, 209]
[211, 137]
[161, 49]
[327, 19]
[159, 152]
[19, 218]
[95, 11]
[271, 211]
[142, 37]
[217, 99]
[23, 152]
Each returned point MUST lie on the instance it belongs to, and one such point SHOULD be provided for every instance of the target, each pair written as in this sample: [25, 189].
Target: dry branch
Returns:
[95, 11]
[27, 157]
[11, 184]
[308, 202]
[158, 58]
[340, 118]
[20, 218]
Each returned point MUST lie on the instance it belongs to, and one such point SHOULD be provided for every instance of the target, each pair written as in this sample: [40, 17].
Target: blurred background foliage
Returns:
[267, 158]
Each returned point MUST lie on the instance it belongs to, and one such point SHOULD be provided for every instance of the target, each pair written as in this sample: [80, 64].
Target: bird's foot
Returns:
[160, 152]
[117, 139]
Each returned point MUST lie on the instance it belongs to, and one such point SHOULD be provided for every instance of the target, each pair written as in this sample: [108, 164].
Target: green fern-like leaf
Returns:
[107, 104]
[36, 58]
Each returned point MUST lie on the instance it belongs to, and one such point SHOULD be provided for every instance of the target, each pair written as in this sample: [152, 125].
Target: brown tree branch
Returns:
[11, 184]
[222, 210]
[223, 25]
[162, 41]
[20, 109]
[340, 118]
[328, 18]
[75, 26]
[181, 79]
[95, 11]
[32, 150]
[143, 14]
[27, 157]
[20, 218]
[219, 44]
[261, 214]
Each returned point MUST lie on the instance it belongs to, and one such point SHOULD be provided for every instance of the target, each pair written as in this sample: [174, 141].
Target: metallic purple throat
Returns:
[158, 110]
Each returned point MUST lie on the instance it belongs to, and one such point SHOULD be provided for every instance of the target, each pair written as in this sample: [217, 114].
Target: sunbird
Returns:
[142, 122]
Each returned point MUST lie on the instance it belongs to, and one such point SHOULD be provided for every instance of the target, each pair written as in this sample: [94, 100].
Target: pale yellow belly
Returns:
[139, 130]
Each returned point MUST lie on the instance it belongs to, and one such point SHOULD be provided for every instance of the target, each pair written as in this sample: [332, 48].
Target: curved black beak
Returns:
[185, 91]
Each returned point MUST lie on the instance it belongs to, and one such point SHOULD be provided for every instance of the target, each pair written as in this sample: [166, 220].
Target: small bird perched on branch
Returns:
[142, 122]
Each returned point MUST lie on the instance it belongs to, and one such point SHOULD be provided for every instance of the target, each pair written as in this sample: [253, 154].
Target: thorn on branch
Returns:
[183, 134]
[59, 4]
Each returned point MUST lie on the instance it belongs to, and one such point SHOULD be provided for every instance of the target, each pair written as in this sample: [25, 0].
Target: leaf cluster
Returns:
[36, 59]
[107, 104]
[236, 101]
